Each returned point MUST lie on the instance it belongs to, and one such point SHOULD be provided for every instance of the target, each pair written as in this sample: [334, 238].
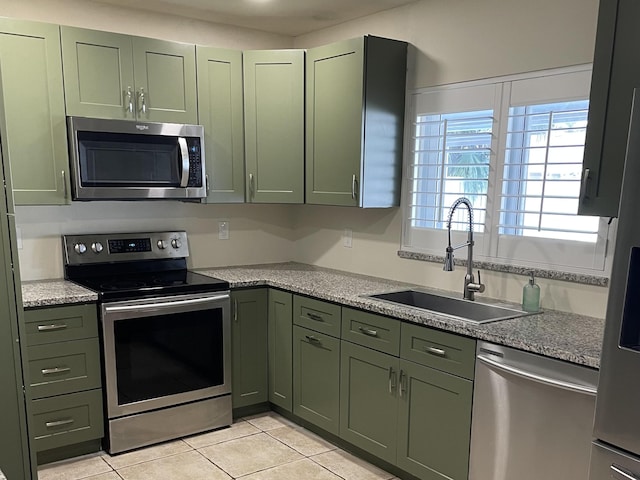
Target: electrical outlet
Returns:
[223, 230]
[347, 238]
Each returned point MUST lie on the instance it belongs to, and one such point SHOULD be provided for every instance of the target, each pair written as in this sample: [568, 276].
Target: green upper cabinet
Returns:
[274, 125]
[220, 112]
[109, 75]
[616, 74]
[249, 346]
[33, 129]
[355, 100]
[281, 349]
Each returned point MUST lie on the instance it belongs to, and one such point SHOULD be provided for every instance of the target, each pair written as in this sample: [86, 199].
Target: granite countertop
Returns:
[566, 336]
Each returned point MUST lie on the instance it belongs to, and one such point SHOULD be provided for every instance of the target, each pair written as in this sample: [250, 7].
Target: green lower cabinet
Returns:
[316, 378]
[434, 424]
[249, 347]
[369, 400]
[280, 349]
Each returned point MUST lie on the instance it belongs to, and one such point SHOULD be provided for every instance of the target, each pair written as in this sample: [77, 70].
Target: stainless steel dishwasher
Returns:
[532, 416]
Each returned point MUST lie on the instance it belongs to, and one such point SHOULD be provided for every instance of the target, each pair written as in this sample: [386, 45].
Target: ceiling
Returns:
[288, 17]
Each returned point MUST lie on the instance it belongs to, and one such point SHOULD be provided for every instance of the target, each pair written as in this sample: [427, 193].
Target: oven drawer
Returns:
[371, 330]
[60, 324]
[64, 367]
[441, 350]
[66, 419]
[317, 315]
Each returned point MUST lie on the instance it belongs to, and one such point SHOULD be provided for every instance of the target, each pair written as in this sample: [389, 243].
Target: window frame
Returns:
[552, 254]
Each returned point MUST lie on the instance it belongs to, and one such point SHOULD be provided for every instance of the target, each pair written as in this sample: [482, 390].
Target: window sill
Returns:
[585, 279]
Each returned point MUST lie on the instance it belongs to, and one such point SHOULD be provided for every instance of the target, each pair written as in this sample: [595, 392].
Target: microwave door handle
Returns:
[184, 154]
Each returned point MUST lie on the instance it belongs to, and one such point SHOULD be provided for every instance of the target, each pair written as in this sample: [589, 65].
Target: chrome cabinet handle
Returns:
[55, 326]
[206, 182]
[184, 155]
[235, 310]
[59, 423]
[142, 99]
[65, 189]
[251, 193]
[403, 388]
[390, 379]
[129, 100]
[622, 474]
[354, 184]
[312, 339]
[369, 332]
[583, 187]
[436, 351]
[315, 317]
[51, 371]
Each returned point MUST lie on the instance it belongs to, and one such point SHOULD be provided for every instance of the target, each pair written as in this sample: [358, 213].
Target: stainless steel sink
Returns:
[453, 307]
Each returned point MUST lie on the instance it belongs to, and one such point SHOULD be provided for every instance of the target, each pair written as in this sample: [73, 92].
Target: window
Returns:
[514, 147]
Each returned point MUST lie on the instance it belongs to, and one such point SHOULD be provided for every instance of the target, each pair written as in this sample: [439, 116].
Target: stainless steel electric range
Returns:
[165, 335]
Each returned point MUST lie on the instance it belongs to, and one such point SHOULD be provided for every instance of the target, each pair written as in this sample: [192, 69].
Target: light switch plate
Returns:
[223, 230]
[347, 238]
[19, 237]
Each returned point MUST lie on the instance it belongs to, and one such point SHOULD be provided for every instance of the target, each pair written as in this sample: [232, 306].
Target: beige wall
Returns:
[454, 40]
[458, 40]
[89, 14]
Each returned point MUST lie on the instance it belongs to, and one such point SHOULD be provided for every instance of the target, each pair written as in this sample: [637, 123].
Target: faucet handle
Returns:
[480, 284]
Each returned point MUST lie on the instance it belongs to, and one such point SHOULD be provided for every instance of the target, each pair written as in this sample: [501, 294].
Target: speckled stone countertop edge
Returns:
[565, 336]
[584, 279]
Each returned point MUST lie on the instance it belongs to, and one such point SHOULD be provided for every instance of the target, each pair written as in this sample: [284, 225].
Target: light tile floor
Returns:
[260, 447]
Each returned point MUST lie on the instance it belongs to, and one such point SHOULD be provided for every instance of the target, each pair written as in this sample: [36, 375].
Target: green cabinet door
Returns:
[616, 74]
[33, 129]
[165, 78]
[355, 119]
[369, 400]
[220, 112]
[98, 74]
[316, 378]
[249, 347]
[434, 424]
[280, 349]
[274, 125]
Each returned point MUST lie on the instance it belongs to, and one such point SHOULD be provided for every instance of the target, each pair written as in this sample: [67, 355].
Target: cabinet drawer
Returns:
[441, 350]
[67, 419]
[371, 330]
[317, 315]
[64, 367]
[60, 324]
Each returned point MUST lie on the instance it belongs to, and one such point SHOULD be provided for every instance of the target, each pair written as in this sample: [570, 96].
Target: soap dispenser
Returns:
[531, 295]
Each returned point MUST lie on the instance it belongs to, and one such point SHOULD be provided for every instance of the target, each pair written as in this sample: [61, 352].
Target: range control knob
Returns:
[162, 244]
[176, 243]
[97, 247]
[80, 248]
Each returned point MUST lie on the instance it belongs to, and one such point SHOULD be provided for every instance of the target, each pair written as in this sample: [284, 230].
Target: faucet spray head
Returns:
[448, 260]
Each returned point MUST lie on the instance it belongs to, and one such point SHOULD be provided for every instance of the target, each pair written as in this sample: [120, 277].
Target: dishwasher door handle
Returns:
[553, 382]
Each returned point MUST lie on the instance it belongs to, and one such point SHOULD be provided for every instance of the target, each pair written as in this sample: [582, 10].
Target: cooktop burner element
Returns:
[134, 265]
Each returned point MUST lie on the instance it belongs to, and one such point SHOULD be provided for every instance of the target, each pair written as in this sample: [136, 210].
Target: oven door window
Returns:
[126, 160]
[168, 354]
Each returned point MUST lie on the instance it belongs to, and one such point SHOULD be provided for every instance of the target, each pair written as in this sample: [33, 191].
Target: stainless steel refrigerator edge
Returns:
[17, 462]
[616, 452]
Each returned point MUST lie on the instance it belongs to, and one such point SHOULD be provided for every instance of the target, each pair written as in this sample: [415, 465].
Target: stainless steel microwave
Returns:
[127, 160]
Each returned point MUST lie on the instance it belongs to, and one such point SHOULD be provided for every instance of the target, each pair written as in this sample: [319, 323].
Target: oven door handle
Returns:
[184, 155]
[156, 306]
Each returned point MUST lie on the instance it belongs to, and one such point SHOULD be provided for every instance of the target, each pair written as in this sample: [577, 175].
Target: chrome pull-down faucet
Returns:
[470, 286]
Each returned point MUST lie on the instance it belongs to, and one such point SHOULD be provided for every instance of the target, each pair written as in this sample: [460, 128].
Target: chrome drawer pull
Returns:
[59, 423]
[366, 331]
[312, 339]
[621, 474]
[51, 371]
[55, 326]
[315, 317]
[436, 351]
